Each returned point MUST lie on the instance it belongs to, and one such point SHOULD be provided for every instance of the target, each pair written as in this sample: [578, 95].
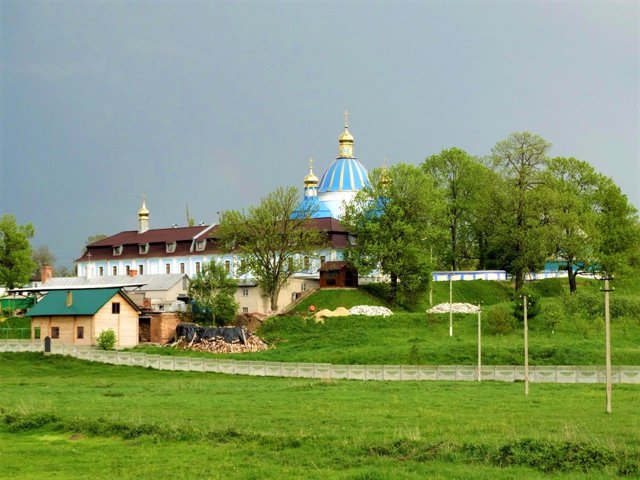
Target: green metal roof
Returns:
[84, 302]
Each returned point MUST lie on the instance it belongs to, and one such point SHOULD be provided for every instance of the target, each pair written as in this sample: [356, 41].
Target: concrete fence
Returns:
[501, 373]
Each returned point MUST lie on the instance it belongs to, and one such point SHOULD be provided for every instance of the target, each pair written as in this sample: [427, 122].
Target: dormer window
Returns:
[117, 250]
[200, 245]
[143, 249]
[171, 247]
[352, 240]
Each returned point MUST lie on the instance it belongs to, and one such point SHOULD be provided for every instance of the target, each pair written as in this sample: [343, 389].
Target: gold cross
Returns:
[310, 164]
[346, 118]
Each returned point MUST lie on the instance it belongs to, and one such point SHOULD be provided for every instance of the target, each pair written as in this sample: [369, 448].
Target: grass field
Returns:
[568, 331]
[62, 418]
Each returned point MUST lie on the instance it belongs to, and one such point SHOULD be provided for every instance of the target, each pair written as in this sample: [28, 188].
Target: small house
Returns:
[338, 274]
[78, 316]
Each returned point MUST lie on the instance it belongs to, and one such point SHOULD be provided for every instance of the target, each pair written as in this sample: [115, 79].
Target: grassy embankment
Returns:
[63, 418]
[568, 331]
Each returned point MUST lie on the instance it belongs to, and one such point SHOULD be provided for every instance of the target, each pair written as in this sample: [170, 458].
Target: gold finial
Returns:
[345, 140]
[311, 180]
[143, 209]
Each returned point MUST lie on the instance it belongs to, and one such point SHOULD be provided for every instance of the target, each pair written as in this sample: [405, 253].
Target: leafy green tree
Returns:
[571, 186]
[214, 292]
[619, 230]
[271, 239]
[594, 226]
[397, 220]
[459, 176]
[16, 264]
[95, 238]
[107, 339]
[521, 234]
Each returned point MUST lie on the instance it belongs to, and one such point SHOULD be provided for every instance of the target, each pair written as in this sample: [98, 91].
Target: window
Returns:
[101, 271]
[303, 287]
[117, 250]
[167, 268]
[143, 249]
[200, 245]
[80, 332]
[55, 332]
[182, 268]
[115, 270]
[197, 267]
[141, 269]
[127, 270]
[227, 266]
[115, 307]
[245, 292]
[322, 259]
[306, 263]
[36, 333]
[245, 309]
[171, 247]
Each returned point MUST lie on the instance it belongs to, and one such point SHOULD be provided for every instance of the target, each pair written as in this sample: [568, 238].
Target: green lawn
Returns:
[62, 418]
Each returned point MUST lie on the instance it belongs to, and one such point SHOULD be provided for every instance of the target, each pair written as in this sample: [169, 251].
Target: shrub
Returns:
[499, 321]
[107, 339]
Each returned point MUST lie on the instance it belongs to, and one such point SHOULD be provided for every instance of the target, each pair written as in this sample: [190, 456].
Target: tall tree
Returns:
[459, 176]
[571, 186]
[397, 220]
[520, 207]
[271, 239]
[42, 256]
[16, 264]
[213, 289]
[618, 227]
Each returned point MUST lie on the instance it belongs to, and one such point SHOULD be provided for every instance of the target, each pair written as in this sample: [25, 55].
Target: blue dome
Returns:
[344, 175]
[320, 210]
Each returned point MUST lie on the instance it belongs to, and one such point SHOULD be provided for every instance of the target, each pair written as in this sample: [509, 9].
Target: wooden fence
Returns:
[501, 373]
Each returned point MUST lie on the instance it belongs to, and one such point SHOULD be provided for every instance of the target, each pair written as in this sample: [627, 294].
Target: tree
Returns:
[42, 256]
[271, 239]
[459, 176]
[521, 235]
[595, 229]
[94, 238]
[16, 264]
[214, 291]
[570, 186]
[397, 220]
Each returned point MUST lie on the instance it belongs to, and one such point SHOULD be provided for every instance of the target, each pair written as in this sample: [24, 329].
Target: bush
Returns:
[499, 321]
[533, 304]
[107, 339]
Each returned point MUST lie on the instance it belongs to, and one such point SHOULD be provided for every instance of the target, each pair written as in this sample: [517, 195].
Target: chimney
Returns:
[133, 273]
[69, 298]
[46, 272]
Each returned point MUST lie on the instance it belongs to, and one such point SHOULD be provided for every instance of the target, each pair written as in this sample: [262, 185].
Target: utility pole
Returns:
[607, 340]
[526, 349]
[451, 304]
[479, 341]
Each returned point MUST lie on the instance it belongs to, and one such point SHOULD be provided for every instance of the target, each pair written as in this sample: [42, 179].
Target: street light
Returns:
[451, 304]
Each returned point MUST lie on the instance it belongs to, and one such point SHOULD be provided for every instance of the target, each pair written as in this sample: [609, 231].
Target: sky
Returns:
[212, 105]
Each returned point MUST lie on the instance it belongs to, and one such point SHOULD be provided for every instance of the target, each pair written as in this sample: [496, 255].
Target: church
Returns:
[184, 250]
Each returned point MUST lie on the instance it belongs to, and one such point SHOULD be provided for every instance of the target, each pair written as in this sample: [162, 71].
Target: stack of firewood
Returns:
[254, 344]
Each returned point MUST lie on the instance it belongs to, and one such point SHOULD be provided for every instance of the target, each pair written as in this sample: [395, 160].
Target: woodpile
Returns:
[253, 344]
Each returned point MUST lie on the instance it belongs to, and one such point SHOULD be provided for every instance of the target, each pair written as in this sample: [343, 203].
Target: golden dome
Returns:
[311, 180]
[345, 140]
